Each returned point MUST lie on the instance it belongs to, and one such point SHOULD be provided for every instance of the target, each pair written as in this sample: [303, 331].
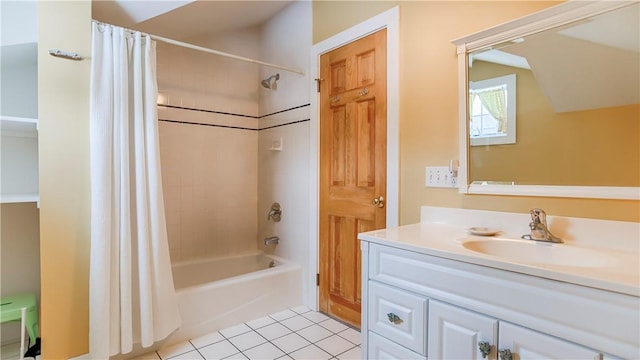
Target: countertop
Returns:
[620, 273]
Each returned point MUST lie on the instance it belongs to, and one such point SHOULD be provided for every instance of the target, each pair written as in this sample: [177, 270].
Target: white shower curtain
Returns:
[132, 297]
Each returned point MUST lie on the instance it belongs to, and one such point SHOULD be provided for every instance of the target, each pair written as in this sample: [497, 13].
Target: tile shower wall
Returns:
[196, 79]
[220, 181]
[284, 175]
[209, 158]
[210, 181]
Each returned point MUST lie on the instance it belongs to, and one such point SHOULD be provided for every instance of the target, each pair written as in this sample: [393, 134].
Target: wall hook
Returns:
[65, 54]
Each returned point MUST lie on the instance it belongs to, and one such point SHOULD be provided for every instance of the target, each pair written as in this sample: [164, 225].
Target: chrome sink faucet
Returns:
[539, 229]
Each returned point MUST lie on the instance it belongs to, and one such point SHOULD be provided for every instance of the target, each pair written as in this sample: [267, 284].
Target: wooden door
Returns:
[352, 166]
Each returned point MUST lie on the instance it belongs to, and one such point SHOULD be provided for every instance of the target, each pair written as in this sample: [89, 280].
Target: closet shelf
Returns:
[18, 119]
[19, 198]
[18, 126]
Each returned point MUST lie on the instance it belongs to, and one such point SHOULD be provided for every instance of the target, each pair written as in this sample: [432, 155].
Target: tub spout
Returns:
[273, 240]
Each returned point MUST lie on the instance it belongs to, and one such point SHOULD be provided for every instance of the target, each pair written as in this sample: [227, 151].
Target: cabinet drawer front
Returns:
[531, 345]
[398, 315]
[383, 349]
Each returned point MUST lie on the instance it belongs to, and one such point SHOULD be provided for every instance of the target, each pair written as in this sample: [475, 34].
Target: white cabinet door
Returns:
[454, 333]
[527, 344]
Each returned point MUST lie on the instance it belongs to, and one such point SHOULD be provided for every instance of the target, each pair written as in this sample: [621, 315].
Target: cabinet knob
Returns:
[485, 348]
[505, 354]
[393, 318]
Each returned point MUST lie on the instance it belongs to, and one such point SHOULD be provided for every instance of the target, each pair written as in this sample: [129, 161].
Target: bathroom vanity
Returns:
[464, 284]
[433, 290]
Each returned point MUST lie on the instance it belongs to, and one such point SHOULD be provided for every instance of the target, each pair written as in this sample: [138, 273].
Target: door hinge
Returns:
[318, 80]
[317, 279]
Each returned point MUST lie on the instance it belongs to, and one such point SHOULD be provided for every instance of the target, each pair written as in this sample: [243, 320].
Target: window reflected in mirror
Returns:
[492, 111]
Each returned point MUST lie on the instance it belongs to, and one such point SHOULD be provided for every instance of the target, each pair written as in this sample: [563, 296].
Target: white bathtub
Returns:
[216, 293]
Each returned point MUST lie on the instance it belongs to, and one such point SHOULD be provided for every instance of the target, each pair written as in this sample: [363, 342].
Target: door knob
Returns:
[379, 201]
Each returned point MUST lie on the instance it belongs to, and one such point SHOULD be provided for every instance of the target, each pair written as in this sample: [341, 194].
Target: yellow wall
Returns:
[63, 108]
[429, 98]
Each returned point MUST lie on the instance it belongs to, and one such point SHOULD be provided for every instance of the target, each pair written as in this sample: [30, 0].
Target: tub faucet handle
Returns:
[275, 213]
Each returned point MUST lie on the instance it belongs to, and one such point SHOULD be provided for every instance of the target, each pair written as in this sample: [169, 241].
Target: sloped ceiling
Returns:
[577, 75]
[589, 65]
[181, 20]
[129, 12]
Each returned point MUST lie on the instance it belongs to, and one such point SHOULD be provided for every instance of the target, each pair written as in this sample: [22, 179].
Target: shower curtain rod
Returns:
[221, 53]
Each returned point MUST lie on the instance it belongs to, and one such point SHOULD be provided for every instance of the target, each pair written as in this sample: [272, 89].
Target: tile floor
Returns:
[296, 333]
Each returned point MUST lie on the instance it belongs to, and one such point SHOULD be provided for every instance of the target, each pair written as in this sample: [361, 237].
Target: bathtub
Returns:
[216, 293]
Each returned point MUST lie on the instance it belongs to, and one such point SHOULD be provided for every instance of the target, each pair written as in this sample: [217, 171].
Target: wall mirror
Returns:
[550, 103]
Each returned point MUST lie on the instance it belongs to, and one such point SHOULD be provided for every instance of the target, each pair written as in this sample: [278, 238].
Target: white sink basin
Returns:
[529, 251]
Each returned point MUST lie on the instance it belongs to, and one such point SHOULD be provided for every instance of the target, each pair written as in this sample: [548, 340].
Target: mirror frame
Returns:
[549, 18]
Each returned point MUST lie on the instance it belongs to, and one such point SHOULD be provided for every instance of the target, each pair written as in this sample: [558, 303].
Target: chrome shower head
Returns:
[267, 83]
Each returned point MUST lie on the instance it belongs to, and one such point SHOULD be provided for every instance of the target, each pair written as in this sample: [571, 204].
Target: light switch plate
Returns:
[439, 176]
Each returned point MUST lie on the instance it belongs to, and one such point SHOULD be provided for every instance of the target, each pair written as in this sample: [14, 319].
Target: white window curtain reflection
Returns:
[495, 101]
[132, 298]
[492, 99]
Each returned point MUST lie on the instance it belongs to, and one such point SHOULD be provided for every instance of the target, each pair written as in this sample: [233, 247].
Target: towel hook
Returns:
[65, 54]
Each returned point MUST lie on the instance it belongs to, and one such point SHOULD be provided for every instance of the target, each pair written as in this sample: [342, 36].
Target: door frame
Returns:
[389, 20]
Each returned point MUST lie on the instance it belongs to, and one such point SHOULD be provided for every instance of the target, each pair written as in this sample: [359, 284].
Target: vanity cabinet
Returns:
[456, 333]
[418, 306]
